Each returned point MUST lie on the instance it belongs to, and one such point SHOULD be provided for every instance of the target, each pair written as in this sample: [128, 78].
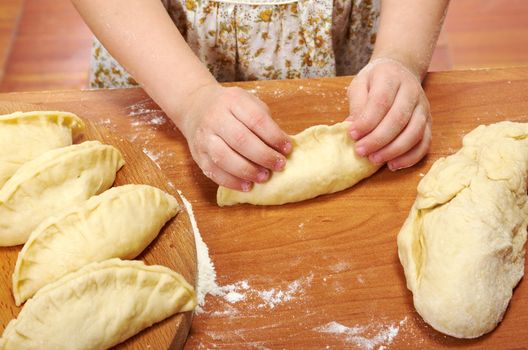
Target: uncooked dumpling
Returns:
[462, 246]
[98, 306]
[120, 223]
[323, 161]
[25, 136]
[56, 180]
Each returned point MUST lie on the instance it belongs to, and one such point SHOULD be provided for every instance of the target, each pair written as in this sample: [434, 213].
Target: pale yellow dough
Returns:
[56, 180]
[323, 161]
[25, 136]
[120, 223]
[98, 306]
[462, 246]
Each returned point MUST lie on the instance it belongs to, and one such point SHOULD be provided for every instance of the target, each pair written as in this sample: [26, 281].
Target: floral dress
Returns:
[264, 39]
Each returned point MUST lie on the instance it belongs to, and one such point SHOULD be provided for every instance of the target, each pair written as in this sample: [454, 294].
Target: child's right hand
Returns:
[232, 136]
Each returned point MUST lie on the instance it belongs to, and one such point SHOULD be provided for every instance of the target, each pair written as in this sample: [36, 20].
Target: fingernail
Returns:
[280, 163]
[246, 186]
[287, 147]
[263, 175]
[376, 159]
[361, 151]
[354, 134]
[392, 167]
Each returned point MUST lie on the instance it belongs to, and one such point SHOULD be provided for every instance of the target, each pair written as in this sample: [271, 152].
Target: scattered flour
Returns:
[157, 120]
[153, 156]
[232, 293]
[301, 227]
[383, 334]
[265, 299]
[273, 296]
[360, 279]
[206, 281]
[339, 267]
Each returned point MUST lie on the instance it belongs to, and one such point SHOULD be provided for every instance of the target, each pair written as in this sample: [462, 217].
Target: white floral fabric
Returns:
[264, 39]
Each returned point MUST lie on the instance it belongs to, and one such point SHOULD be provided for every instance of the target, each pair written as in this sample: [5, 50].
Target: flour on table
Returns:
[360, 279]
[152, 155]
[275, 296]
[238, 291]
[232, 293]
[365, 337]
[206, 281]
[264, 299]
[340, 267]
[144, 113]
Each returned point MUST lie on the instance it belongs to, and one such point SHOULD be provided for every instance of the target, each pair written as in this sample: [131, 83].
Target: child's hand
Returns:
[390, 114]
[232, 136]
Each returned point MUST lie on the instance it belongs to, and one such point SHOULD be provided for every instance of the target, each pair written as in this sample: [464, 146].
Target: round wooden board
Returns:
[174, 247]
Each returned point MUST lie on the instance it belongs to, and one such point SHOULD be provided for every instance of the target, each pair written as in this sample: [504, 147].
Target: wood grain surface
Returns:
[323, 273]
[174, 247]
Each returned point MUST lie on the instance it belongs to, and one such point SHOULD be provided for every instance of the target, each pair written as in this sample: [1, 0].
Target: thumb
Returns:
[357, 96]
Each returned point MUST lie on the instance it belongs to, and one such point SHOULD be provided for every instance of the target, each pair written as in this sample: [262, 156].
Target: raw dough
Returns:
[120, 223]
[98, 306]
[25, 136]
[462, 246]
[323, 161]
[54, 181]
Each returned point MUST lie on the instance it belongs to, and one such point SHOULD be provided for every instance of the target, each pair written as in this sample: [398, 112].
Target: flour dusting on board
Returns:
[365, 337]
[206, 281]
[263, 299]
[274, 296]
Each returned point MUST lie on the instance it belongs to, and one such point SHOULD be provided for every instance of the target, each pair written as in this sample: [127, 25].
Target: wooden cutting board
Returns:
[174, 247]
[323, 273]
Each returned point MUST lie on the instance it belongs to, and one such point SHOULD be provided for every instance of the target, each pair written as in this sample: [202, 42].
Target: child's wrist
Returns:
[179, 107]
[416, 69]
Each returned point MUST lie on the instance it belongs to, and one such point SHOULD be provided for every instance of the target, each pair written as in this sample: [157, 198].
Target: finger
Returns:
[392, 124]
[245, 142]
[380, 98]
[409, 137]
[415, 154]
[254, 114]
[225, 158]
[357, 96]
[223, 178]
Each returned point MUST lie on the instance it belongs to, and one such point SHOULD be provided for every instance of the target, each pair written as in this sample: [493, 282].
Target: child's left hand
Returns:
[390, 114]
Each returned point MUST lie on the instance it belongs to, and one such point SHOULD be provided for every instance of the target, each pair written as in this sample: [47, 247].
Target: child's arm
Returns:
[388, 107]
[230, 132]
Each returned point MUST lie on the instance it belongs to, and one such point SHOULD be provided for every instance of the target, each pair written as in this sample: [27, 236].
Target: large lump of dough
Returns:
[462, 246]
[323, 161]
[98, 306]
[120, 223]
[54, 181]
[25, 136]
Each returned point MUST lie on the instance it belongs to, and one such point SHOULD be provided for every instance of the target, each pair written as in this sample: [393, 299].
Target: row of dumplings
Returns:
[55, 199]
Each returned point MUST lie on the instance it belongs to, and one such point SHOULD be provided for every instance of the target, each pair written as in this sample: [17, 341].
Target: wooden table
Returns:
[323, 273]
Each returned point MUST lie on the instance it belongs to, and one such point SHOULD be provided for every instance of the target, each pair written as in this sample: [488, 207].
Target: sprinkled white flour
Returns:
[381, 334]
[339, 267]
[153, 156]
[265, 299]
[206, 281]
[158, 120]
[273, 296]
[232, 293]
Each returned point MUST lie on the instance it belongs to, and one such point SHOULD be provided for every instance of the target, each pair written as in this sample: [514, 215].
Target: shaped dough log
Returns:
[52, 182]
[98, 306]
[25, 136]
[120, 223]
[323, 161]
[462, 246]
